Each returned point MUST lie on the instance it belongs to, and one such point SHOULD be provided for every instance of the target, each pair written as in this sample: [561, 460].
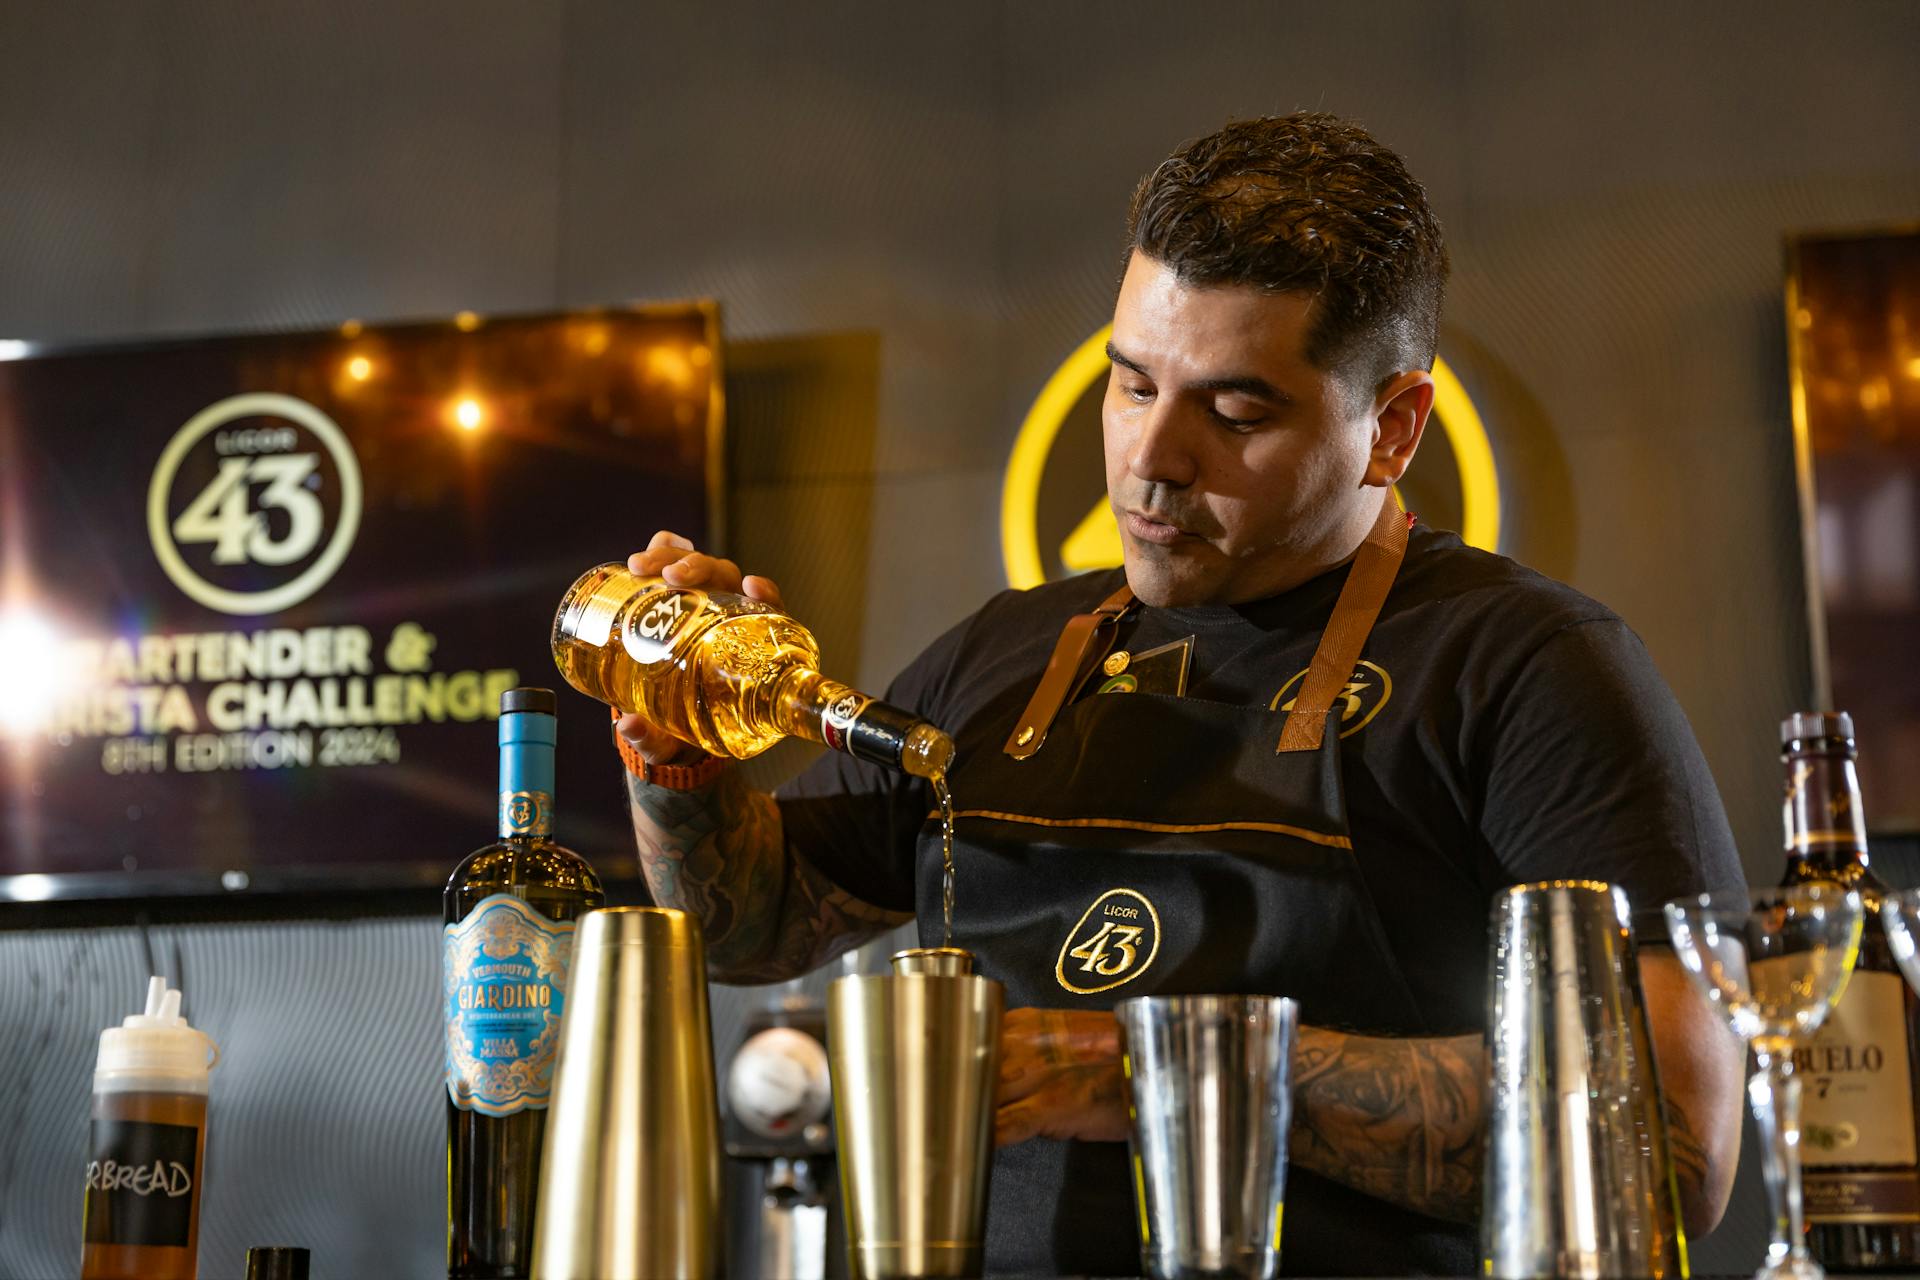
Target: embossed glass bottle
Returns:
[1860, 1094]
[511, 909]
[729, 674]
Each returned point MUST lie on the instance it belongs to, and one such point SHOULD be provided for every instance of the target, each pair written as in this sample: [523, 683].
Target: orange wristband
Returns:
[674, 777]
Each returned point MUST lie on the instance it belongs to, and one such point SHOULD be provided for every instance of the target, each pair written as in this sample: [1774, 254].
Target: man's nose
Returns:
[1162, 451]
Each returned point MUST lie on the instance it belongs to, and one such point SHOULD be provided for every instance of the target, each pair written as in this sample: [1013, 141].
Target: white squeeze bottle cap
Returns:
[155, 1051]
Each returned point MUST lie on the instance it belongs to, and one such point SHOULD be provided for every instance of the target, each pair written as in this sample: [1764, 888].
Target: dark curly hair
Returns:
[1309, 203]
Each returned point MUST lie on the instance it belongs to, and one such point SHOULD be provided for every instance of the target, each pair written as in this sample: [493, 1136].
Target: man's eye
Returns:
[1236, 424]
[1139, 395]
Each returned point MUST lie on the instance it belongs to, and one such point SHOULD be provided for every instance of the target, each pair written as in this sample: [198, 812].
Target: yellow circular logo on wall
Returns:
[1046, 506]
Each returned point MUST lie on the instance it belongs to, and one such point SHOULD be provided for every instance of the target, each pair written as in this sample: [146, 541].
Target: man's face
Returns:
[1234, 467]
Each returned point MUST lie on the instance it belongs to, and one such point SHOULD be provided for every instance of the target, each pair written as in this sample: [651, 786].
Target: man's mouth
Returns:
[1150, 528]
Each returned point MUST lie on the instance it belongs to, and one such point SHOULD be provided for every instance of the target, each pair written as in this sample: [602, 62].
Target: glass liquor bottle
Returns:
[1859, 1144]
[726, 673]
[511, 909]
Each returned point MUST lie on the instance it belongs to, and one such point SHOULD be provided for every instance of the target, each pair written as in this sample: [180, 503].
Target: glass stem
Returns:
[1774, 1093]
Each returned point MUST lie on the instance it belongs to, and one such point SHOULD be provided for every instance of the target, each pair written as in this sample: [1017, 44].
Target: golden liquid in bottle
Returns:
[715, 681]
[731, 675]
[152, 1262]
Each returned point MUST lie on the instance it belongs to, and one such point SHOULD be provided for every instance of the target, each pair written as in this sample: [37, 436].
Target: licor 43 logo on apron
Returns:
[1114, 943]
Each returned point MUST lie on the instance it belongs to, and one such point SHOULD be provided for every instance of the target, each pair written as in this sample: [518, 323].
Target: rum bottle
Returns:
[511, 909]
[1859, 1145]
[728, 674]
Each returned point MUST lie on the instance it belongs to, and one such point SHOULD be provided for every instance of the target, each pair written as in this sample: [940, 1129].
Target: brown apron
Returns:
[1130, 845]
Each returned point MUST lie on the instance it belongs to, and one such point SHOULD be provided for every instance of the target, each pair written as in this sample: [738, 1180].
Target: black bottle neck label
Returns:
[867, 728]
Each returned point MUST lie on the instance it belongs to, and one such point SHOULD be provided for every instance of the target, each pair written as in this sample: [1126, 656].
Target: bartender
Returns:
[1295, 746]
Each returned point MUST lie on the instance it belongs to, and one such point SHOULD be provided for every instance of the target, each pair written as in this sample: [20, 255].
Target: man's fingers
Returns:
[673, 558]
[1027, 1057]
[1016, 1122]
[755, 587]
[1059, 1077]
[697, 570]
[1021, 1076]
[1083, 1106]
[655, 744]
[647, 564]
[1057, 1111]
[663, 549]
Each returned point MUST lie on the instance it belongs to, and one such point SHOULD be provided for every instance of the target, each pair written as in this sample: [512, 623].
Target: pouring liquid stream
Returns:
[945, 797]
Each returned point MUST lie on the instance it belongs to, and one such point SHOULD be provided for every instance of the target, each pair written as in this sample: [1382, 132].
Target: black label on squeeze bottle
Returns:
[140, 1180]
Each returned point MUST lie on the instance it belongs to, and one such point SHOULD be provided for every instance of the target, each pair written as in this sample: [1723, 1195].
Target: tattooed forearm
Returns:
[1396, 1118]
[1692, 1161]
[1060, 1077]
[719, 854]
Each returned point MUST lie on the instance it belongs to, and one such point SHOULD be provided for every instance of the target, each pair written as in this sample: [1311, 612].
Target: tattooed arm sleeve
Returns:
[1400, 1119]
[1701, 1067]
[719, 854]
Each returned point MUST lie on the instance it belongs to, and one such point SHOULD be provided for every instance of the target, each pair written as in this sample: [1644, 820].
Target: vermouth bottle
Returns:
[1859, 1145]
[728, 674]
[511, 909]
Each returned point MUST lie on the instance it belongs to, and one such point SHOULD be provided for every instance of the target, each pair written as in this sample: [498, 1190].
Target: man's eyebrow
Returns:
[1113, 354]
[1258, 388]
[1247, 385]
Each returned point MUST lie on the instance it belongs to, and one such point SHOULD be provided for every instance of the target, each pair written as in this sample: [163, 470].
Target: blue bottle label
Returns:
[506, 983]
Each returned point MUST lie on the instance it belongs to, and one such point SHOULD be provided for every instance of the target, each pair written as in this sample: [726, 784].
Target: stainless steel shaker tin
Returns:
[1578, 1181]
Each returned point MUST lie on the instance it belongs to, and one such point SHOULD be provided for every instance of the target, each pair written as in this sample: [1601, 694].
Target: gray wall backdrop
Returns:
[910, 213]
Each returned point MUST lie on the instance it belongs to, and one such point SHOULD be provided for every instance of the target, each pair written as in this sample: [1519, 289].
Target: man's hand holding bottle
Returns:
[1060, 1071]
[677, 562]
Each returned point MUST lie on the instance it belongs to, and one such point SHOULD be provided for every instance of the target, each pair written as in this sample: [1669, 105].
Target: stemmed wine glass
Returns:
[1773, 962]
[1900, 912]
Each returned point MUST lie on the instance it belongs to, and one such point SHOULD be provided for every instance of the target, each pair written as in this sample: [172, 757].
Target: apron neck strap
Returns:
[1083, 641]
[1087, 637]
[1368, 581]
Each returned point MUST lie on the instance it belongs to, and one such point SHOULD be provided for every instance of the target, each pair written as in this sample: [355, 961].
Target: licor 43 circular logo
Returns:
[254, 503]
[1114, 942]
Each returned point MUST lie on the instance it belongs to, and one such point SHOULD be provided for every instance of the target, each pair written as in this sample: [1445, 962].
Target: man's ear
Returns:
[1400, 410]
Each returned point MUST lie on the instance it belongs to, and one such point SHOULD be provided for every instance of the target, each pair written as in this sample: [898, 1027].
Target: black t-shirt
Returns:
[1514, 730]
[1502, 729]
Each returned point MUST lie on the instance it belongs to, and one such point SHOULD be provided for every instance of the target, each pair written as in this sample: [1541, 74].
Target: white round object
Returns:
[779, 1083]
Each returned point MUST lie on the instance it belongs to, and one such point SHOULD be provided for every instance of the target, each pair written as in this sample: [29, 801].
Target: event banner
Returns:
[259, 596]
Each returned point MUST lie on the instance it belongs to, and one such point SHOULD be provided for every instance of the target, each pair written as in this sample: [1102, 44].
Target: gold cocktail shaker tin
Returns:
[630, 1177]
[915, 1058]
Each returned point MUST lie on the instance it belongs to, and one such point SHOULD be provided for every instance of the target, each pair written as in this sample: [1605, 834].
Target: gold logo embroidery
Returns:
[1114, 943]
[1359, 702]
